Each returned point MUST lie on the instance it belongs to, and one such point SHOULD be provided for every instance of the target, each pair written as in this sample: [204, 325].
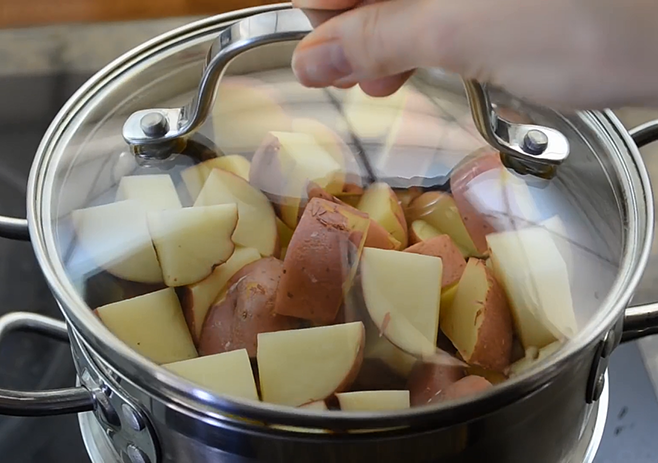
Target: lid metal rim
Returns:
[162, 384]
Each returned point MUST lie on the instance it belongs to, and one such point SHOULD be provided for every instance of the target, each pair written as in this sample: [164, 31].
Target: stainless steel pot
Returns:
[150, 415]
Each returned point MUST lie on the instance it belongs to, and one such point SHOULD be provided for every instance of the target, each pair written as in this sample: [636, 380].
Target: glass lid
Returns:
[322, 248]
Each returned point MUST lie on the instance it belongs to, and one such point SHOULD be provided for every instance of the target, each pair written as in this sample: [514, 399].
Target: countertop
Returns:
[42, 67]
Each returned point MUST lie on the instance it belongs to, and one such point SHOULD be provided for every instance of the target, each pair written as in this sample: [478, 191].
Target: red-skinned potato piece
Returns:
[377, 236]
[479, 320]
[443, 247]
[477, 225]
[465, 387]
[235, 321]
[427, 380]
[382, 205]
[321, 261]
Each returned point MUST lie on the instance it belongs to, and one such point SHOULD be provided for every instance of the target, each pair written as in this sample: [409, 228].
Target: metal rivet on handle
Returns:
[535, 142]
[135, 455]
[133, 418]
[154, 124]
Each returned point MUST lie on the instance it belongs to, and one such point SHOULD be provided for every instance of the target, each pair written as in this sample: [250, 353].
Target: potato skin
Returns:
[235, 321]
[427, 380]
[465, 387]
[493, 350]
[444, 248]
[476, 224]
[319, 262]
[377, 236]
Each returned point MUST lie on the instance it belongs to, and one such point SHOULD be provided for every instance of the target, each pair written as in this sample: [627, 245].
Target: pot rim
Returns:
[164, 385]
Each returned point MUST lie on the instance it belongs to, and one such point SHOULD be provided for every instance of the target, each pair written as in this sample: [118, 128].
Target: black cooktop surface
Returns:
[30, 362]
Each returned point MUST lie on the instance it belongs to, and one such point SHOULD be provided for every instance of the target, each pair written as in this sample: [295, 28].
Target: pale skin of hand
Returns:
[567, 54]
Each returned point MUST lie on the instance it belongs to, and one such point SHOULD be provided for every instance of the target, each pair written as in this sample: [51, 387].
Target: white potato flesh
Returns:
[152, 324]
[192, 241]
[116, 238]
[405, 284]
[256, 218]
[202, 294]
[306, 365]
[531, 269]
[154, 192]
[373, 401]
[228, 373]
[195, 176]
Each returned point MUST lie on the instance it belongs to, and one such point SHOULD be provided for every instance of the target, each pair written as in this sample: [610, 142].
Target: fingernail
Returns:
[321, 65]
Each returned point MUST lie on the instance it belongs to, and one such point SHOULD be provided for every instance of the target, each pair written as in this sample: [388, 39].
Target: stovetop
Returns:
[27, 104]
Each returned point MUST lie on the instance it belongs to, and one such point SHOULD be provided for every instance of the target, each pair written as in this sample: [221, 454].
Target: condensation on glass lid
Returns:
[325, 249]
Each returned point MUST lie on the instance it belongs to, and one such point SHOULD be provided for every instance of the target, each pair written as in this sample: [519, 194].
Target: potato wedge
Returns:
[465, 387]
[427, 380]
[321, 262]
[479, 321]
[226, 374]
[153, 325]
[443, 248]
[247, 310]
[306, 365]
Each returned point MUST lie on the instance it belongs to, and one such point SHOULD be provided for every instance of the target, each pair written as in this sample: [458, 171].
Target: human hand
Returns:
[561, 53]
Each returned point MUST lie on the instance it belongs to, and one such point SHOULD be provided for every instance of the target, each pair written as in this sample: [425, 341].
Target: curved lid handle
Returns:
[152, 132]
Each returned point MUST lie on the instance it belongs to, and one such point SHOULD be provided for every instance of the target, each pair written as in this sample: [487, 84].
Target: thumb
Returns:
[380, 40]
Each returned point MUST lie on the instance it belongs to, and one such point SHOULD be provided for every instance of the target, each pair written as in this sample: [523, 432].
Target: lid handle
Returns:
[153, 132]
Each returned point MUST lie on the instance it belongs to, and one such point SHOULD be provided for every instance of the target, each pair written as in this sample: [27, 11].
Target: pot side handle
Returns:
[41, 403]
[642, 320]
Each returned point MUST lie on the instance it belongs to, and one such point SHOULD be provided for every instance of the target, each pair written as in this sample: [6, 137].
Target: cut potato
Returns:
[491, 198]
[317, 405]
[306, 365]
[465, 387]
[401, 292]
[443, 248]
[531, 269]
[533, 357]
[195, 176]
[405, 197]
[373, 401]
[245, 111]
[494, 377]
[377, 236]
[226, 374]
[447, 298]
[154, 192]
[285, 235]
[247, 310]
[380, 348]
[427, 380]
[191, 242]
[479, 322]
[197, 298]
[462, 180]
[256, 219]
[440, 211]
[334, 145]
[410, 285]
[321, 262]
[117, 239]
[420, 231]
[381, 204]
[285, 164]
[152, 324]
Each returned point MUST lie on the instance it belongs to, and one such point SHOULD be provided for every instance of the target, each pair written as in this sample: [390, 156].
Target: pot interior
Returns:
[270, 246]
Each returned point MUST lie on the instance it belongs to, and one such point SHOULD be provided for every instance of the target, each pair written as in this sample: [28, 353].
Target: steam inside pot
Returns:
[329, 250]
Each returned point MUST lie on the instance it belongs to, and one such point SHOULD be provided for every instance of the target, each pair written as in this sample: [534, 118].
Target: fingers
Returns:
[377, 40]
[386, 85]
